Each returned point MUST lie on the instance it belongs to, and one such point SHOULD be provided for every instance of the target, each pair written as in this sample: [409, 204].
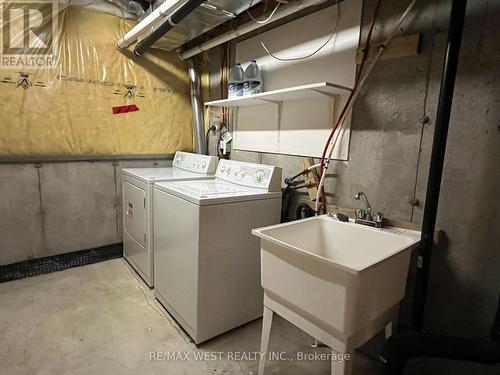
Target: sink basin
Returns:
[345, 278]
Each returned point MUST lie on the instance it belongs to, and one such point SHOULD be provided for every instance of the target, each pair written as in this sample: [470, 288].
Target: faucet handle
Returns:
[378, 217]
[360, 213]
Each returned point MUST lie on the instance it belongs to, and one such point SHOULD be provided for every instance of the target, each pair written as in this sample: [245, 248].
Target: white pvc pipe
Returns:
[247, 27]
[164, 10]
[367, 72]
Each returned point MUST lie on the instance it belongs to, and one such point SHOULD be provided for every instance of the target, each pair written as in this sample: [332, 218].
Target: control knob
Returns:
[259, 175]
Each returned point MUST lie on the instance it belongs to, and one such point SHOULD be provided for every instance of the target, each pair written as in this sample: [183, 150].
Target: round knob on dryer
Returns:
[259, 175]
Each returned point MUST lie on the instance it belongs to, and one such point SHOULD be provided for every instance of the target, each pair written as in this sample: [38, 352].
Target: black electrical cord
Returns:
[290, 180]
[292, 184]
[285, 204]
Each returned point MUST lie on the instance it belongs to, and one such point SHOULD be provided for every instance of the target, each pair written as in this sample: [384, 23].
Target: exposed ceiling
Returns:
[209, 15]
[206, 17]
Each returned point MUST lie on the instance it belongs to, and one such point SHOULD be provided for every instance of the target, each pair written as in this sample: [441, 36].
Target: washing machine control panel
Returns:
[251, 175]
[195, 162]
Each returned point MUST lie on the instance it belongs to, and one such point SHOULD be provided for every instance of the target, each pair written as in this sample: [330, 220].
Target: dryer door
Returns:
[134, 212]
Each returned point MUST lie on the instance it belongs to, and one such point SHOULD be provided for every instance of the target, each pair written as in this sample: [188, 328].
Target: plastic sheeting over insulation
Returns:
[68, 110]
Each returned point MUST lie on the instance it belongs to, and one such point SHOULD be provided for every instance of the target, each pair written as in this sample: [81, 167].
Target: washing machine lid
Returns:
[152, 175]
[208, 192]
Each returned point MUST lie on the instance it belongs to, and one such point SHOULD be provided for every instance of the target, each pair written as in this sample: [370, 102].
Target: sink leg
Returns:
[392, 326]
[343, 367]
[388, 330]
[314, 343]
[264, 341]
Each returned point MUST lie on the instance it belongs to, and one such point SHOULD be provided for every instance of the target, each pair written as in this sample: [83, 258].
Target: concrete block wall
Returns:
[58, 207]
[390, 150]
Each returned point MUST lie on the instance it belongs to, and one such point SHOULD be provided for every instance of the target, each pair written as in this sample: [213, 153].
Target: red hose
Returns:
[349, 99]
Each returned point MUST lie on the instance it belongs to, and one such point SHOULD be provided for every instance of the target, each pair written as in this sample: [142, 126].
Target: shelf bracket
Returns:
[270, 101]
[235, 113]
[334, 96]
[280, 112]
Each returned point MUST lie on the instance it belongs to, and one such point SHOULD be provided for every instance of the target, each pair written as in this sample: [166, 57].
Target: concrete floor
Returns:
[102, 319]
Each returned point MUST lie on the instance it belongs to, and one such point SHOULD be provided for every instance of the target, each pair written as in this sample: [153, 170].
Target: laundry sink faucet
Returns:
[362, 196]
[366, 216]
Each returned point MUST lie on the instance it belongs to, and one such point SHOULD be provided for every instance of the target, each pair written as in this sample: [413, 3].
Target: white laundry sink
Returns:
[345, 278]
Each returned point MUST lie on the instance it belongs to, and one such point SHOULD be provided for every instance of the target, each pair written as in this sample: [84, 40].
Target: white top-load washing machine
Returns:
[207, 264]
[137, 185]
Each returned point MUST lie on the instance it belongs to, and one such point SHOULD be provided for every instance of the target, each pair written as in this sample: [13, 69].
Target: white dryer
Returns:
[207, 263]
[137, 188]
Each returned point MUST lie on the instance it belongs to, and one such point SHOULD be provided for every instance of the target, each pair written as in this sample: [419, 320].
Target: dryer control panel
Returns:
[250, 175]
[195, 162]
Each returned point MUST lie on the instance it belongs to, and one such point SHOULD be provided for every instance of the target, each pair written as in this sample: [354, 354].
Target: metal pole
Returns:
[198, 126]
[455, 29]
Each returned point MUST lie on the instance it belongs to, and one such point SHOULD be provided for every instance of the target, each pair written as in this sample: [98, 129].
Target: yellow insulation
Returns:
[67, 111]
